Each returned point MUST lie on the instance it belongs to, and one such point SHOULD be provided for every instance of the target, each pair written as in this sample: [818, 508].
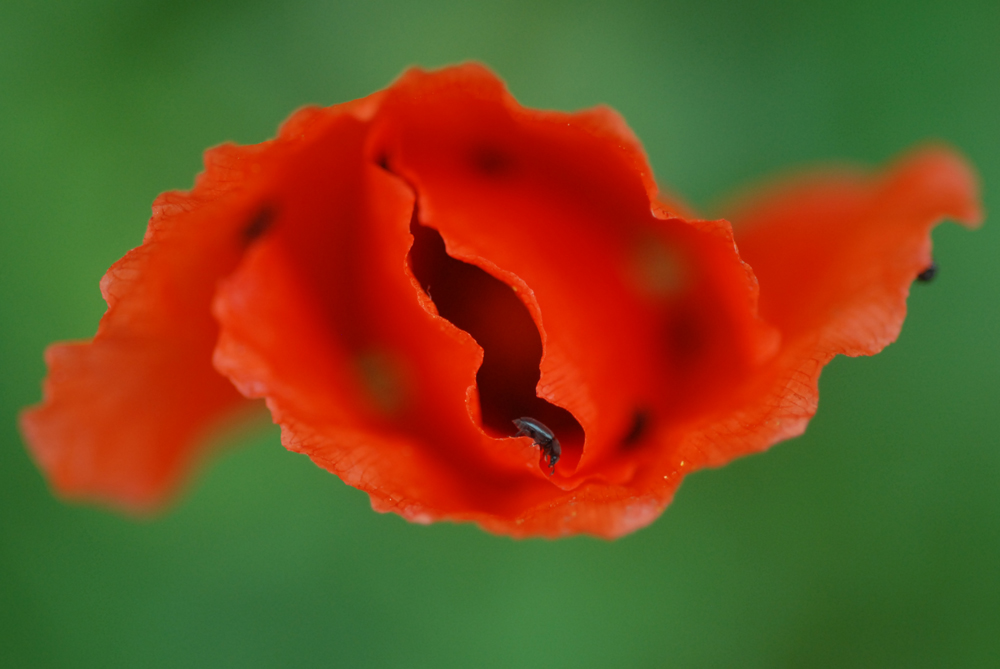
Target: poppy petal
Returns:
[835, 254]
[125, 414]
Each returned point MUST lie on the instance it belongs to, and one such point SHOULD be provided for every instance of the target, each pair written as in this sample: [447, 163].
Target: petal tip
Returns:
[946, 179]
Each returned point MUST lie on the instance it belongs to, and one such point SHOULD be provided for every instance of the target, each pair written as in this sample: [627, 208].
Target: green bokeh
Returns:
[874, 540]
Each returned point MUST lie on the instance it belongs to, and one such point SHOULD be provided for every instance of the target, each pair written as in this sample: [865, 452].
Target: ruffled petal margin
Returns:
[835, 254]
[125, 415]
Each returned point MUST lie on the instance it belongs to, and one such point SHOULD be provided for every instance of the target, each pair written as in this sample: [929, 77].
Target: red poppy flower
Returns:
[403, 276]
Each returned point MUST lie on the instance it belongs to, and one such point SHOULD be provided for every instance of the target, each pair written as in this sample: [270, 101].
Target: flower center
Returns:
[490, 311]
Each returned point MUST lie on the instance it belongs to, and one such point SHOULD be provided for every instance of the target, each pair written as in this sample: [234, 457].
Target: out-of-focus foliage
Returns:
[873, 540]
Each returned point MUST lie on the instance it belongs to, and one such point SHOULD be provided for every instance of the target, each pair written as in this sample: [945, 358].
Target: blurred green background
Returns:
[873, 541]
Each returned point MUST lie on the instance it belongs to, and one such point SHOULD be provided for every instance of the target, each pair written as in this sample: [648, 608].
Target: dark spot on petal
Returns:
[259, 223]
[491, 162]
[638, 429]
[687, 336]
[928, 274]
[383, 161]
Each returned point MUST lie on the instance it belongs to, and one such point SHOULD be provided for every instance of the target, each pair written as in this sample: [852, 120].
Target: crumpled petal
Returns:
[835, 254]
[324, 321]
[125, 415]
[642, 315]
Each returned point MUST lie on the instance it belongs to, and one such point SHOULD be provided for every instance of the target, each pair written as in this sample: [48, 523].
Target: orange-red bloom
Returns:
[402, 276]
